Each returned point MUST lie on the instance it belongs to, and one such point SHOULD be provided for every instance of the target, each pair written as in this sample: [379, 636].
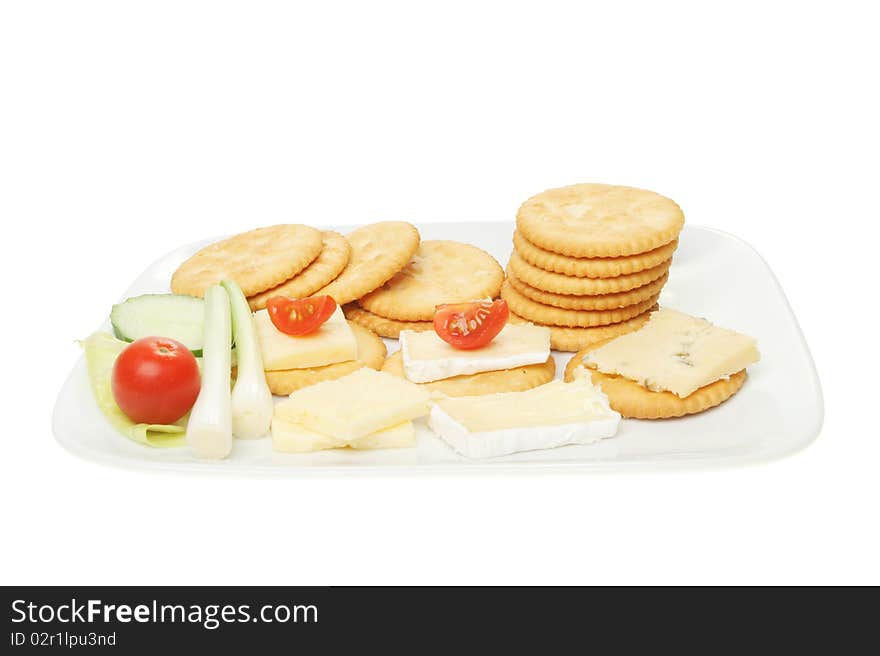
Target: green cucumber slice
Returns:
[161, 315]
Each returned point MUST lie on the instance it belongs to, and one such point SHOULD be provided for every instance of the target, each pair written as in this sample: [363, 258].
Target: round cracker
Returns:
[553, 316]
[634, 401]
[382, 326]
[598, 302]
[591, 267]
[574, 339]
[371, 353]
[558, 283]
[486, 382]
[378, 251]
[329, 264]
[440, 272]
[597, 220]
[257, 260]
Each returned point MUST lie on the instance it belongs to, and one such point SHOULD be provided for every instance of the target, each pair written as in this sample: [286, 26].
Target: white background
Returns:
[127, 129]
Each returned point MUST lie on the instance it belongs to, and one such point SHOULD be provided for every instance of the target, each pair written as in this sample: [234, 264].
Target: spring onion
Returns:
[209, 431]
[252, 405]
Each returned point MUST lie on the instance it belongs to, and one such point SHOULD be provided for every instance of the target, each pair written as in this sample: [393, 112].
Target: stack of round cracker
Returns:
[590, 261]
[438, 272]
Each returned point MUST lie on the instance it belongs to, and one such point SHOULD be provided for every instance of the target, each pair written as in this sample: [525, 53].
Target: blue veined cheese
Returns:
[427, 358]
[544, 417]
[675, 352]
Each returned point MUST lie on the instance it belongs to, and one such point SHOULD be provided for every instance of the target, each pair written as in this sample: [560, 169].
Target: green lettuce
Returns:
[101, 351]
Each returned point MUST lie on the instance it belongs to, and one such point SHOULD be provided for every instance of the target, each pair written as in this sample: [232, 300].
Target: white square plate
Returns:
[714, 275]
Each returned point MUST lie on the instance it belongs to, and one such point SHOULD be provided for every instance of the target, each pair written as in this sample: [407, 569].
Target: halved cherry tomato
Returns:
[301, 316]
[155, 380]
[470, 325]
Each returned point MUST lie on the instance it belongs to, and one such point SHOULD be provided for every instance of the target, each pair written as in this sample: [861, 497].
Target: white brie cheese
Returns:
[545, 417]
[427, 358]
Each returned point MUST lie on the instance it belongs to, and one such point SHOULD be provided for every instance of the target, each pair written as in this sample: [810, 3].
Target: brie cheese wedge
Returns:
[544, 417]
[427, 358]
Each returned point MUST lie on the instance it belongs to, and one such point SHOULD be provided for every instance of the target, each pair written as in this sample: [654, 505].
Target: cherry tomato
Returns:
[155, 380]
[470, 325]
[301, 316]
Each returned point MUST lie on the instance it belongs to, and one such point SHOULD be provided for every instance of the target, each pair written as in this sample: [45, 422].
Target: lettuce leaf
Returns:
[101, 351]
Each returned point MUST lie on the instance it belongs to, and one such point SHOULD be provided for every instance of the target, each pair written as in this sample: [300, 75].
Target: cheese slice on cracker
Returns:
[427, 358]
[334, 341]
[675, 352]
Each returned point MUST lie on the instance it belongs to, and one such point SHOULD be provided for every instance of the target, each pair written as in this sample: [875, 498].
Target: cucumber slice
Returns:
[161, 315]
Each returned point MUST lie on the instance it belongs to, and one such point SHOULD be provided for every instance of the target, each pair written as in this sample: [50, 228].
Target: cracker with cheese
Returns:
[675, 365]
[334, 341]
[371, 352]
[485, 382]
[427, 358]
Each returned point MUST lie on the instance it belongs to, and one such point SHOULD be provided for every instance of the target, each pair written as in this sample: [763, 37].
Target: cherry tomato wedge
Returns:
[300, 316]
[470, 325]
[155, 380]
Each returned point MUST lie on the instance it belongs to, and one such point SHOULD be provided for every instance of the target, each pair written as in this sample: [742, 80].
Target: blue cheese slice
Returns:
[544, 417]
[675, 352]
[427, 358]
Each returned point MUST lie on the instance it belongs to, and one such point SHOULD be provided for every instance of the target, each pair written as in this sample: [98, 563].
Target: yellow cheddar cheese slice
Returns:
[288, 437]
[352, 407]
[332, 342]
